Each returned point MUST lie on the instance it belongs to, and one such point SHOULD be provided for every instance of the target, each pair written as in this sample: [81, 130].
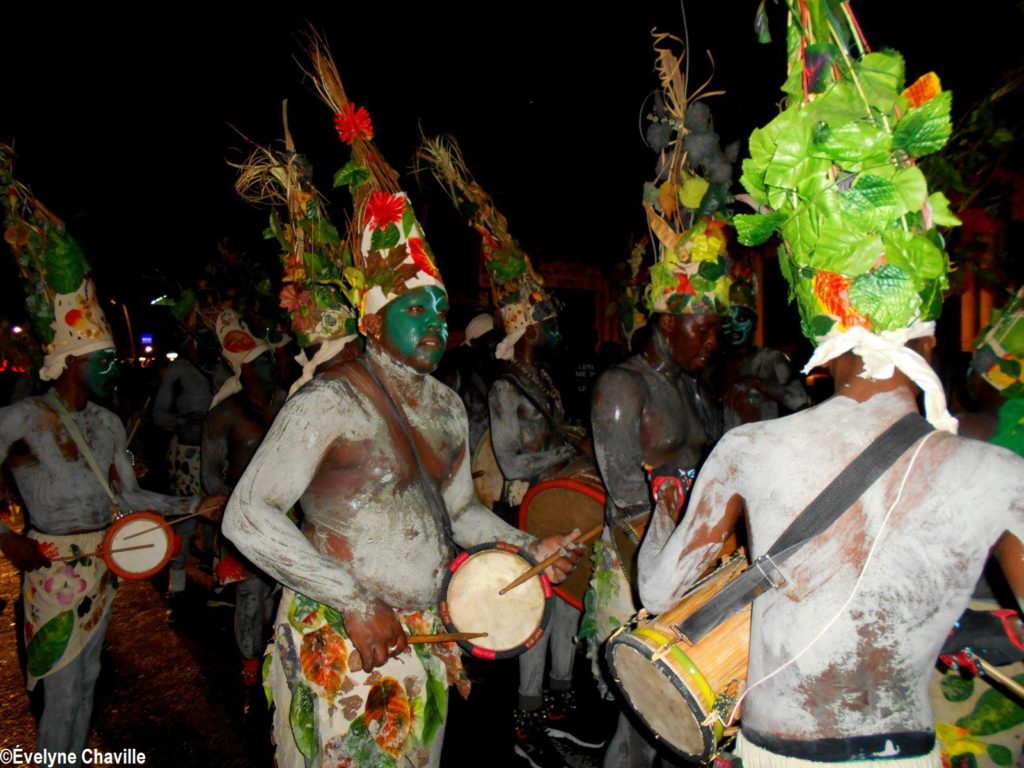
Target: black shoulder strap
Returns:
[433, 494]
[824, 510]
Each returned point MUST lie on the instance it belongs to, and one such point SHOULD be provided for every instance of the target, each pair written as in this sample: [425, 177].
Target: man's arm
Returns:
[22, 551]
[671, 558]
[615, 415]
[517, 461]
[214, 452]
[280, 472]
[163, 413]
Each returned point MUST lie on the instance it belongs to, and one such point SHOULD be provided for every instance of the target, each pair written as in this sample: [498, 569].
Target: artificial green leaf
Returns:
[65, 264]
[408, 219]
[752, 180]
[183, 307]
[789, 163]
[915, 254]
[881, 76]
[326, 233]
[854, 146]
[845, 251]
[764, 34]
[941, 214]
[886, 296]
[351, 175]
[48, 643]
[911, 188]
[870, 202]
[801, 234]
[931, 300]
[820, 325]
[925, 129]
[755, 229]
[385, 238]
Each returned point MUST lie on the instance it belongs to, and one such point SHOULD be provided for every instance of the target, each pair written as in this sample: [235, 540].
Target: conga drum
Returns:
[683, 692]
[470, 602]
[557, 505]
[137, 545]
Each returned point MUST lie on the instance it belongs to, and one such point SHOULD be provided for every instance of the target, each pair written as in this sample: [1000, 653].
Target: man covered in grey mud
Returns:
[531, 443]
[232, 432]
[366, 569]
[68, 457]
[842, 652]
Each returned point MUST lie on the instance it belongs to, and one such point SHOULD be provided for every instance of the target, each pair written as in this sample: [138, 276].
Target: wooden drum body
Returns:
[557, 506]
[470, 602]
[137, 545]
[673, 685]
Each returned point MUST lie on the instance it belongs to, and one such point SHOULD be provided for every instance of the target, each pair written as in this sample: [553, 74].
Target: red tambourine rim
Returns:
[116, 526]
[468, 645]
[569, 484]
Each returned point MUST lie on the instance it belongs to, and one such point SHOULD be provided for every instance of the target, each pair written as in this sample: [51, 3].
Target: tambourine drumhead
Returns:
[145, 543]
[471, 603]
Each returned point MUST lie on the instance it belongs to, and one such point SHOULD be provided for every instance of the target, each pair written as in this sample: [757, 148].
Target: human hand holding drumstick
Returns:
[569, 553]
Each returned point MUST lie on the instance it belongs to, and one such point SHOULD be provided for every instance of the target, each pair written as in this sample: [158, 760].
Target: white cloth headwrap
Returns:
[327, 350]
[882, 354]
[234, 384]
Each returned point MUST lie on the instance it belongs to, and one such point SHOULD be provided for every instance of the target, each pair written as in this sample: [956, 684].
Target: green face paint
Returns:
[740, 326]
[101, 372]
[415, 331]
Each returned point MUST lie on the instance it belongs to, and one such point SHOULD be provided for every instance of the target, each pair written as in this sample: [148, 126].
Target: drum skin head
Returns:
[138, 563]
[558, 506]
[470, 602]
[661, 698]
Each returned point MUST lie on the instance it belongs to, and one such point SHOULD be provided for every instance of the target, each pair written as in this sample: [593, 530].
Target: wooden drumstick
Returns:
[175, 521]
[99, 552]
[355, 661]
[586, 538]
[1000, 677]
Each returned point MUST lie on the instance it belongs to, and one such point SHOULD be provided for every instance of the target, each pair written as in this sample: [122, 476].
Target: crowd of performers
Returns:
[365, 484]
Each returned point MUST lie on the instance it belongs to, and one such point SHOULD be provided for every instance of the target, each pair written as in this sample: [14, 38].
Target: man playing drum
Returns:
[376, 450]
[67, 602]
[842, 652]
[530, 439]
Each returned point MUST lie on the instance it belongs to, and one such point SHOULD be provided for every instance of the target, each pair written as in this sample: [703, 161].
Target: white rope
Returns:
[882, 354]
[856, 586]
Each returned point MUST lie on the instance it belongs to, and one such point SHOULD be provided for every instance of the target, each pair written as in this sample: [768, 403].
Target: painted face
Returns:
[739, 329]
[693, 339]
[101, 372]
[550, 337]
[261, 370]
[414, 330]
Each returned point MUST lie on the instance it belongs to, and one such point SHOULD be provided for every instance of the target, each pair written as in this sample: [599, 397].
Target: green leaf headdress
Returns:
[392, 254]
[685, 206]
[60, 294]
[517, 290]
[835, 175]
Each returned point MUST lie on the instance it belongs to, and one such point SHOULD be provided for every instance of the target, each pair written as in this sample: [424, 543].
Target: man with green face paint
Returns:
[68, 456]
[367, 448]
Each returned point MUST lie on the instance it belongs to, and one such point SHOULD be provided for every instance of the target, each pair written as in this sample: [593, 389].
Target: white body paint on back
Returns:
[869, 673]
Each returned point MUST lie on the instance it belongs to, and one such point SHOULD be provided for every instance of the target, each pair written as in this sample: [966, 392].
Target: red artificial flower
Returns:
[384, 208]
[421, 258]
[353, 123]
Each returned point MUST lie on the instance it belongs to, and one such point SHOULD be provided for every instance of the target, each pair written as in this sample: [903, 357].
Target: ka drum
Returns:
[137, 545]
[470, 602]
[685, 692]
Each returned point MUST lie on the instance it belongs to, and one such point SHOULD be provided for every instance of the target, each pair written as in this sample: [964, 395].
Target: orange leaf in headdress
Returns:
[384, 208]
[924, 89]
[831, 290]
[420, 257]
[353, 123]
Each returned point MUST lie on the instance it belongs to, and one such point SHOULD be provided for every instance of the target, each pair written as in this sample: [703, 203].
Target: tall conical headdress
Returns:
[835, 175]
[60, 294]
[392, 256]
[518, 291]
[314, 256]
[685, 204]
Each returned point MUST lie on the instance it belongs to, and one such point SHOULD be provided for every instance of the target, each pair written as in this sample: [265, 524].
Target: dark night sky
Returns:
[122, 123]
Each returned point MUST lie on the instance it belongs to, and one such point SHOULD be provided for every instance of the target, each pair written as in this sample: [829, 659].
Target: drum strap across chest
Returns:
[55, 402]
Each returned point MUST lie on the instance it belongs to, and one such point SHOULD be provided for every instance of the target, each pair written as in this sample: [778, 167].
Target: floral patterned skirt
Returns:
[326, 714]
[65, 603]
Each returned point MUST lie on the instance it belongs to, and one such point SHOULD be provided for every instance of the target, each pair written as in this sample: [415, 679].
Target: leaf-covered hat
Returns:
[392, 256]
[238, 346]
[999, 349]
[517, 290]
[314, 256]
[835, 175]
[60, 294]
[685, 204]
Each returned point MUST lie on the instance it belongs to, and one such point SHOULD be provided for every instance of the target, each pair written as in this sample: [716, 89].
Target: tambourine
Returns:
[137, 545]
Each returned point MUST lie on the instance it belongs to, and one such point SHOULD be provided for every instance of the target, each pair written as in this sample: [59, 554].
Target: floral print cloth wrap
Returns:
[65, 603]
[326, 715]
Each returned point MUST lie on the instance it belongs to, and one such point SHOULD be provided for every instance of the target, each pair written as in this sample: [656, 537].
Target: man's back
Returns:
[868, 673]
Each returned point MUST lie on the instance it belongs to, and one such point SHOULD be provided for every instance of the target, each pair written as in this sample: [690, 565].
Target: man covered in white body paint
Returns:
[366, 568]
[67, 591]
[841, 654]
